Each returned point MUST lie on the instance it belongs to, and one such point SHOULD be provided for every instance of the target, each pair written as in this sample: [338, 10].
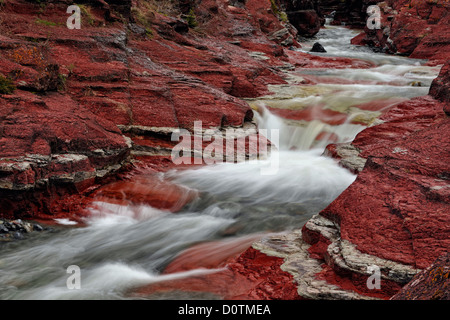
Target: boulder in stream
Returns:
[317, 47]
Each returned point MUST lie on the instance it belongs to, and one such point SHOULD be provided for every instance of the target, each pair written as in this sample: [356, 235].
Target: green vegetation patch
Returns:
[46, 22]
[6, 85]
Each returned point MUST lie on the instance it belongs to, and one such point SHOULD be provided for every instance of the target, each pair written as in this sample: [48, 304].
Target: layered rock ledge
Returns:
[394, 218]
[414, 28]
[80, 107]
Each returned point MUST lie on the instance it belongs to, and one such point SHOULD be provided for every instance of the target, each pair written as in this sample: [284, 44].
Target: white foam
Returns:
[66, 221]
[107, 281]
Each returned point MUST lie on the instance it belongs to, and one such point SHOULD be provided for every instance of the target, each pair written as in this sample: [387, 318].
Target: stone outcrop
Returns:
[439, 87]
[304, 15]
[252, 275]
[86, 103]
[81, 107]
[419, 29]
[351, 13]
[394, 218]
[51, 145]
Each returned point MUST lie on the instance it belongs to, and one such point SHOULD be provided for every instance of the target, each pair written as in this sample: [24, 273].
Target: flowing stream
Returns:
[122, 247]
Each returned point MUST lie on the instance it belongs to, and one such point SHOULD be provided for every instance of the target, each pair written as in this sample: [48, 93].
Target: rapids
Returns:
[123, 247]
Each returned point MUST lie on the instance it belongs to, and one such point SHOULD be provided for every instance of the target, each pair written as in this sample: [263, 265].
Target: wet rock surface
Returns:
[252, 275]
[146, 190]
[440, 88]
[11, 230]
[401, 232]
[64, 125]
[419, 29]
[94, 102]
[317, 47]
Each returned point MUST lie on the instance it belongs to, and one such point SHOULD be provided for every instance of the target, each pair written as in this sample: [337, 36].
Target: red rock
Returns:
[408, 31]
[215, 254]
[307, 22]
[269, 281]
[319, 243]
[440, 87]
[161, 163]
[358, 283]
[305, 16]
[149, 190]
[104, 75]
[312, 113]
[249, 20]
[359, 40]
[397, 209]
[52, 142]
[402, 225]
[154, 80]
[305, 60]
[400, 120]
[419, 29]
[253, 276]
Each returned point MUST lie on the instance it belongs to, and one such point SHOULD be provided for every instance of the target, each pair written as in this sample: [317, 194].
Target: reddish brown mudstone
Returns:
[397, 209]
[79, 92]
[440, 88]
[251, 276]
[304, 60]
[75, 87]
[148, 190]
[419, 29]
[215, 254]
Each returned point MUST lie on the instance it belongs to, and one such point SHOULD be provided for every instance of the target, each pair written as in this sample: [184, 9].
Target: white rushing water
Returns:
[337, 42]
[304, 137]
[123, 247]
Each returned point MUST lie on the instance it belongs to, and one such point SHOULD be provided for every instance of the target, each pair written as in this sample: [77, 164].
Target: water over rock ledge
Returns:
[395, 216]
[71, 125]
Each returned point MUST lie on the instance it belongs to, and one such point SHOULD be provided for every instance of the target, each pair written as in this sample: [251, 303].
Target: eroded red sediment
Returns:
[397, 208]
[305, 60]
[419, 29]
[356, 282]
[148, 190]
[251, 276]
[210, 255]
[240, 272]
[312, 113]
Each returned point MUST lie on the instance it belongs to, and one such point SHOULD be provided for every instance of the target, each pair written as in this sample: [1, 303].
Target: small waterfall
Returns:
[124, 245]
[314, 134]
